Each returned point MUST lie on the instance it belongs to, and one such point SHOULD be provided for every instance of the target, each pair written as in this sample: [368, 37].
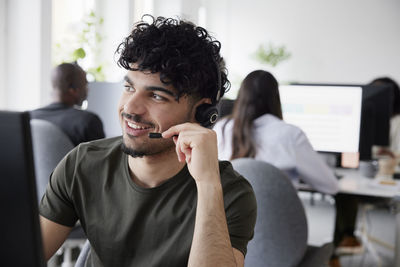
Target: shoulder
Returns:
[291, 129]
[90, 157]
[39, 111]
[98, 150]
[231, 180]
[105, 144]
[294, 130]
[224, 122]
[85, 114]
[269, 122]
[221, 122]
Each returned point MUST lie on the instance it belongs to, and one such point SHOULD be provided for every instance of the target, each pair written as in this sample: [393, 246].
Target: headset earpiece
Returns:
[206, 115]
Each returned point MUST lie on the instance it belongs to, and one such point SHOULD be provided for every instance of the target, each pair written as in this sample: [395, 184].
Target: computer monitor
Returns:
[379, 99]
[330, 116]
[375, 115]
[19, 227]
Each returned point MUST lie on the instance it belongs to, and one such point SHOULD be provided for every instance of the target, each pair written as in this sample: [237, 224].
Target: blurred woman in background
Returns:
[256, 130]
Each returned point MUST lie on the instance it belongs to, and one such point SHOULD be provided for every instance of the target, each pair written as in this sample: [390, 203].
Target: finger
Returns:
[185, 142]
[188, 153]
[179, 152]
[181, 147]
[177, 129]
[188, 159]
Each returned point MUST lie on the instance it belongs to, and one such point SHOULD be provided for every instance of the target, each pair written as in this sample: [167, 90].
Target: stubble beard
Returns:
[147, 148]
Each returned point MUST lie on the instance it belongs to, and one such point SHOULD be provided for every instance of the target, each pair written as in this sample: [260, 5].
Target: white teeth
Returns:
[135, 126]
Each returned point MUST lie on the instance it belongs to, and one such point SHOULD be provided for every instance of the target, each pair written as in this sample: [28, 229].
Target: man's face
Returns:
[147, 105]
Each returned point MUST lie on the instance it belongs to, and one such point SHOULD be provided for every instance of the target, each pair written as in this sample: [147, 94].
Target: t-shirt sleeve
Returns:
[56, 204]
[241, 211]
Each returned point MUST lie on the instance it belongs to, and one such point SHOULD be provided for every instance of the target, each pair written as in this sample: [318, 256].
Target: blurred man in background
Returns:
[69, 91]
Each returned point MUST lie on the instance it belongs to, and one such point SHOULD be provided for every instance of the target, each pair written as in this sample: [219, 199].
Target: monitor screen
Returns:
[376, 112]
[19, 227]
[330, 116]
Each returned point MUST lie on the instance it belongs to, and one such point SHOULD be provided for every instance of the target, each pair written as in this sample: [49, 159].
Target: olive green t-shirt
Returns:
[128, 225]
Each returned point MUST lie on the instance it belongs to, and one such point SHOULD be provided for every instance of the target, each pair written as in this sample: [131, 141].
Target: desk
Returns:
[354, 183]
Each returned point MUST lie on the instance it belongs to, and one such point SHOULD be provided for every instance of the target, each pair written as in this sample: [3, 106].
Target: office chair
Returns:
[50, 145]
[83, 255]
[280, 235]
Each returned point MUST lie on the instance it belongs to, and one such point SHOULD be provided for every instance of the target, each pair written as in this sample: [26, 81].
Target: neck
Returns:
[59, 97]
[151, 171]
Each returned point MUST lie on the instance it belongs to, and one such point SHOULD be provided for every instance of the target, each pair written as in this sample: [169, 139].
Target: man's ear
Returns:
[72, 91]
[74, 94]
[196, 105]
[202, 101]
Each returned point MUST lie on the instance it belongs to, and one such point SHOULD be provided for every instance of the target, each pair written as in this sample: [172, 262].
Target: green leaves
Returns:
[78, 53]
[272, 55]
[84, 47]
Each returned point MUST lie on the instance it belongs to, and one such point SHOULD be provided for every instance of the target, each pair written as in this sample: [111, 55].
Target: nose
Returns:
[134, 104]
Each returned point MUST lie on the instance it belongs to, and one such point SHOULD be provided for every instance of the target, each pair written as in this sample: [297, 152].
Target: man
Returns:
[164, 201]
[70, 90]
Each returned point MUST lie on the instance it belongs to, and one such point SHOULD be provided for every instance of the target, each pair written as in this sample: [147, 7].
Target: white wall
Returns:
[117, 25]
[3, 18]
[26, 60]
[45, 51]
[330, 41]
[170, 8]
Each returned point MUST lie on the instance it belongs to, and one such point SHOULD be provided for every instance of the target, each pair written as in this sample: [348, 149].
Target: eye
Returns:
[158, 97]
[129, 88]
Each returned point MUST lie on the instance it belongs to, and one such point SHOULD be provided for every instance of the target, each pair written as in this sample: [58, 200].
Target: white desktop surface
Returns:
[353, 182]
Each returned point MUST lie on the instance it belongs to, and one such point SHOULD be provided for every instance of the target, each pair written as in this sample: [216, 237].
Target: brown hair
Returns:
[258, 95]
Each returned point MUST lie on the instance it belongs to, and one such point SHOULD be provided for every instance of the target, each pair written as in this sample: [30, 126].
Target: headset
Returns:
[207, 114]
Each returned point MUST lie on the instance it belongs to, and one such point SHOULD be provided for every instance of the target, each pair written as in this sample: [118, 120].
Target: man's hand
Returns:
[211, 245]
[198, 147]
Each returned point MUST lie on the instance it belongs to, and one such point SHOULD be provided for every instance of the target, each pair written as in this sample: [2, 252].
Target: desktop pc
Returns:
[351, 118]
[19, 228]
[338, 119]
[329, 115]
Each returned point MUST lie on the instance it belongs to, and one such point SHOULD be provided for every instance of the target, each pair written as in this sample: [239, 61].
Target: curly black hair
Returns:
[184, 54]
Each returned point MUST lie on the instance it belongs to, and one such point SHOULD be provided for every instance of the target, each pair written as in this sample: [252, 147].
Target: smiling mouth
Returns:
[134, 129]
[136, 126]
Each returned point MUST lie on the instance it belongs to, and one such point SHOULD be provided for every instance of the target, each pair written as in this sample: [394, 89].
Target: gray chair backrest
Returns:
[84, 254]
[50, 145]
[280, 236]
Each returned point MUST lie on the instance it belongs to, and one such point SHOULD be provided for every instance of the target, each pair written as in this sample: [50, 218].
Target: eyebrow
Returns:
[153, 88]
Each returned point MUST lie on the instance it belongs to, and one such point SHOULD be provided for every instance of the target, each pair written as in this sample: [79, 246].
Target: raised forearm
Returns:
[211, 244]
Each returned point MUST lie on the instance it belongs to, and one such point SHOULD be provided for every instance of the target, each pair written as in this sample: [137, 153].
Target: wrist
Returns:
[209, 185]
